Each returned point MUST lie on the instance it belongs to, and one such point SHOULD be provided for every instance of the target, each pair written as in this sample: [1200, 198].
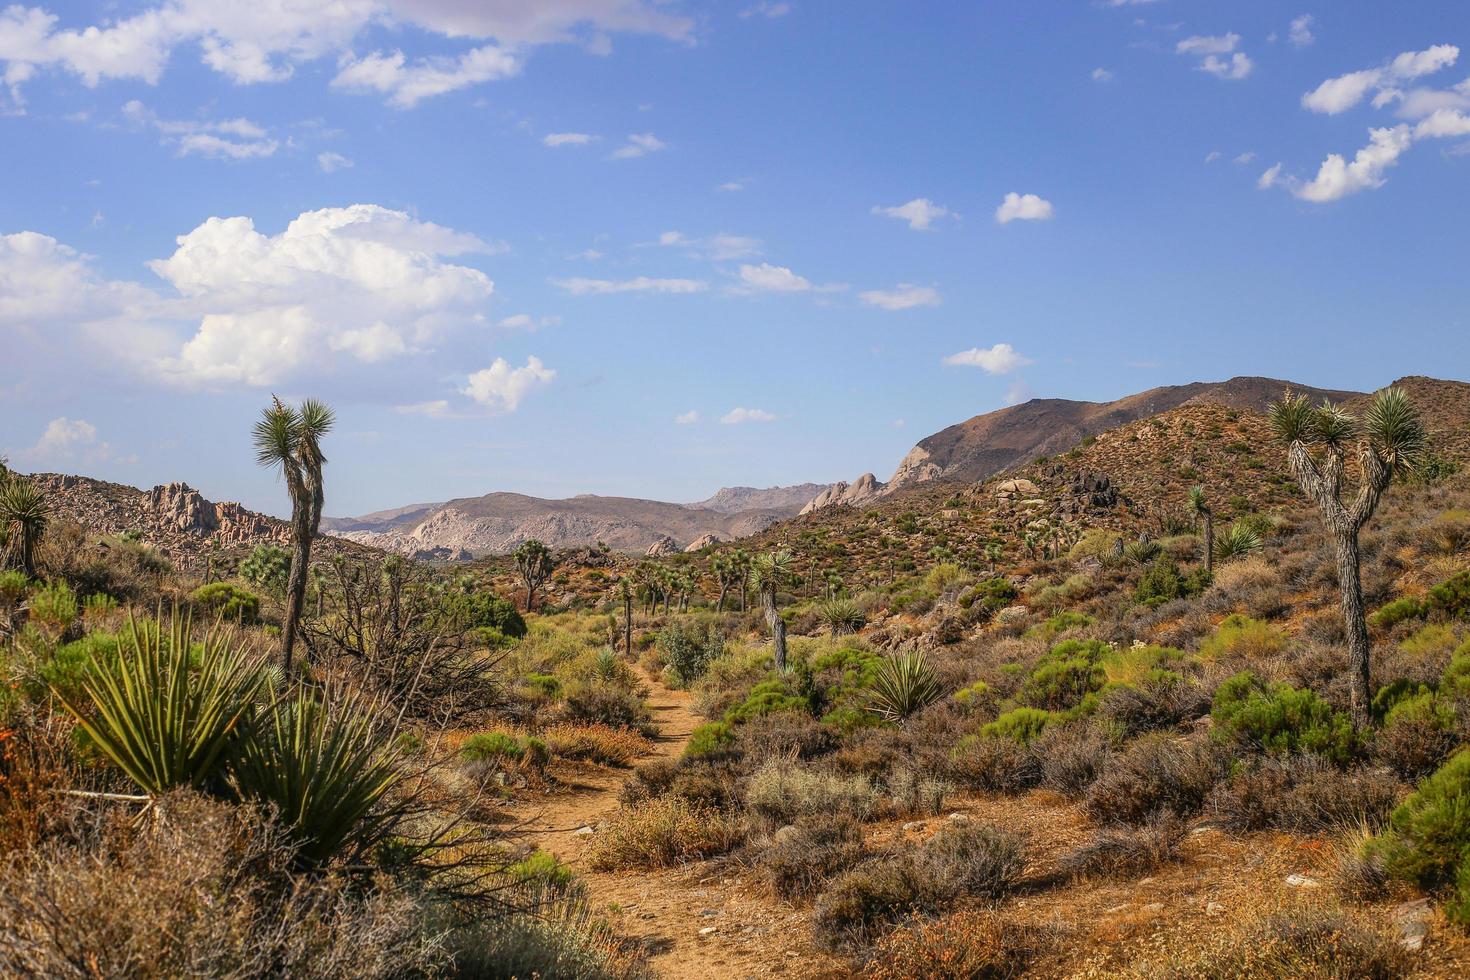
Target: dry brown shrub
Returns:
[599, 743]
[973, 944]
[662, 832]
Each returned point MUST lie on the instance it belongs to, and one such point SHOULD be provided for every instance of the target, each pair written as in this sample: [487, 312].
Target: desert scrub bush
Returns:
[1433, 644]
[1242, 638]
[912, 792]
[767, 697]
[1071, 757]
[784, 735]
[1065, 675]
[598, 743]
[1161, 583]
[799, 858]
[1162, 700]
[988, 597]
[779, 792]
[1156, 774]
[712, 740]
[226, 601]
[972, 944]
[1279, 718]
[960, 861]
[53, 609]
[1303, 793]
[688, 647]
[995, 763]
[662, 832]
[1418, 733]
[903, 684]
[1020, 725]
[491, 750]
[266, 568]
[1305, 941]
[1127, 851]
[1391, 614]
[205, 892]
[156, 715]
[1097, 542]
[597, 702]
[1448, 533]
[1451, 598]
[1240, 540]
[1052, 627]
[1427, 840]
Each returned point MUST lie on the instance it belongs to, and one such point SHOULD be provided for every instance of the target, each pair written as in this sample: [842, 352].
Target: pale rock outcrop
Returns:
[862, 491]
[663, 546]
[703, 541]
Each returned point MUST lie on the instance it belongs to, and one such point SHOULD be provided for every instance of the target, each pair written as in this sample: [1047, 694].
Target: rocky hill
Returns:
[987, 444]
[497, 522]
[174, 519]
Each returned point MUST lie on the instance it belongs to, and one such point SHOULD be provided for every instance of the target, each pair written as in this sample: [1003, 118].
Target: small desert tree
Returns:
[290, 438]
[1388, 440]
[1201, 507]
[728, 571]
[24, 513]
[534, 565]
[770, 573]
[740, 560]
[625, 592]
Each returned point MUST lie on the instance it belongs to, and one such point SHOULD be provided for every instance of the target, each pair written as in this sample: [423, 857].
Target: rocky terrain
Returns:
[991, 443]
[497, 522]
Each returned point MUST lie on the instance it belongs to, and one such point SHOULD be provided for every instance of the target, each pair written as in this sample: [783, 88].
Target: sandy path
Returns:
[692, 921]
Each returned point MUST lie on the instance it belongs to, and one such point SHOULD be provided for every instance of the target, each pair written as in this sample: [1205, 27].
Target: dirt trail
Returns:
[694, 922]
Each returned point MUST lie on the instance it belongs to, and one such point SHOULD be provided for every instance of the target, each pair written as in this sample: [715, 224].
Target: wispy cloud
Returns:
[999, 359]
[579, 286]
[738, 415]
[905, 297]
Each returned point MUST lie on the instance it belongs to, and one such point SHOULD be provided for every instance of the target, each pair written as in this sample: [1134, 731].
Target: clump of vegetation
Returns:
[661, 832]
[228, 602]
[1280, 718]
[1428, 837]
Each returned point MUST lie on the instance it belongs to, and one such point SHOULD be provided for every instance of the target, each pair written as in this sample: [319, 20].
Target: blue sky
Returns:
[641, 248]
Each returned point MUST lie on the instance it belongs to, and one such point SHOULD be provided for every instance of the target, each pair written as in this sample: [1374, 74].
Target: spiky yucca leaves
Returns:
[1237, 542]
[905, 683]
[158, 717]
[327, 770]
[1142, 552]
[841, 616]
[1395, 429]
[24, 514]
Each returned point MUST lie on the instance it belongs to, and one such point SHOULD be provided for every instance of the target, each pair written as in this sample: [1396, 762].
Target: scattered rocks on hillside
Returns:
[586, 558]
[663, 546]
[1012, 489]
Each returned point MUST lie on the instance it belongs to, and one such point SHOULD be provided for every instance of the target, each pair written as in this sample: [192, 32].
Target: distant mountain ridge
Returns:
[988, 444]
[496, 523]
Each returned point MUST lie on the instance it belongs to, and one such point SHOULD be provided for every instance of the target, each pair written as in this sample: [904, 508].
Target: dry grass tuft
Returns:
[660, 833]
[599, 743]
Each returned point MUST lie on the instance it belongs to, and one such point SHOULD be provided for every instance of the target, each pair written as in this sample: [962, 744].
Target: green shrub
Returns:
[1451, 598]
[1241, 636]
[1282, 719]
[1021, 724]
[1430, 643]
[226, 601]
[1161, 583]
[711, 740]
[781, 792]
[54, 608]
[992, 595]
[1428, 837]
[1395, 612]
[1456, 680]
[66, 671]
[766, 698]
[1050, 628]
[689, 647]
[490, 746]
[542, 867]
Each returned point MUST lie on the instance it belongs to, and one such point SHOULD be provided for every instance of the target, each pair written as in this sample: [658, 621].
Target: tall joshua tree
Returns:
[770, 573]
[24, 513]
[1388, 440]
[728, 571]
[741, 560]
[625, 591]
[290, 438]
[1200, 506]
[533, 562]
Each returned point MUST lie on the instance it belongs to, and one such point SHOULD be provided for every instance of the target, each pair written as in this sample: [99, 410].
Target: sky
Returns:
[650, 249]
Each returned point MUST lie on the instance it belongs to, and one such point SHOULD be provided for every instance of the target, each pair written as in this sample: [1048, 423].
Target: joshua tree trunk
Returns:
[778, 630]
[720, 605]
[296, 586]
[1209, 544]
[628, 623]
[1351, 587]
[742, 595]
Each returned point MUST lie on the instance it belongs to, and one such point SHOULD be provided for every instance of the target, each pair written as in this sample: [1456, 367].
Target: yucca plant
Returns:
[905, 683]
[159, 717]
[841, 616]
[1143, 552]
[1237, 542]
[326, 769]
[24, 514]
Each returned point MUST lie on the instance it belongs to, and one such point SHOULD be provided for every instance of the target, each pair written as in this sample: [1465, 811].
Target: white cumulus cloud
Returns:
[920, 213]
[999, 359]
[581, 286]
[1210, 48]
[773, 278]
[687, 418]
[1343, 92]
[904, 297]
[1023, 207]
[567, 139]
[1300, 33]
[501, 388]
[735, 416]
[330, 162]
[637, 145]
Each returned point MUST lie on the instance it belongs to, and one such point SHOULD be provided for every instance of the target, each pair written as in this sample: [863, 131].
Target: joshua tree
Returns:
[625, 591]
[533, 562]
[290, 438]
[24, 513]
[771, 572]
[1201, 507]
[741, 560]
[1388, 441]
[726, 572]
[993, 553]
